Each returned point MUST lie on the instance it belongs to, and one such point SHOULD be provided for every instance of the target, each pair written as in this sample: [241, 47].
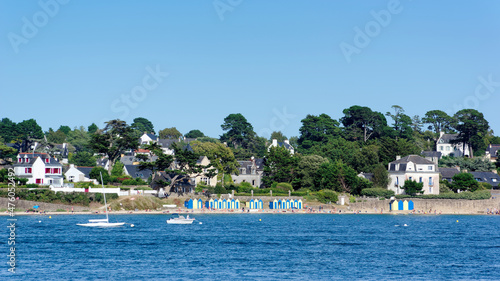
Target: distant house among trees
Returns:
[250, 171]
[492, 152]
[286, 144]
[415, 168]
[449, 145]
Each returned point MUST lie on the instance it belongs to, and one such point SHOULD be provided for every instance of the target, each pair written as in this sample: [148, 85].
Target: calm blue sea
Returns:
[240, 247]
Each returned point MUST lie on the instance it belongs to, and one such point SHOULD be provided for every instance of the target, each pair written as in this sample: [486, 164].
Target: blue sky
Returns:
[189, 64]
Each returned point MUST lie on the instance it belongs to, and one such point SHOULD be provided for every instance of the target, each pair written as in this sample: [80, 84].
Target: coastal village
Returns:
[355, 164]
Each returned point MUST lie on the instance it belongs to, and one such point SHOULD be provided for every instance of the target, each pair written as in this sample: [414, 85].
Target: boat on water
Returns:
[102, 222]
[178, 219]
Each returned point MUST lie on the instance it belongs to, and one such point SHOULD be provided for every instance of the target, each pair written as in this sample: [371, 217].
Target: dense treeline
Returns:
[329, 153]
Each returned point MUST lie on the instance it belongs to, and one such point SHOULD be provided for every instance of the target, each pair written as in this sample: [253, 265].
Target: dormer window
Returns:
[27, 160]
[19, 160]
[47, 160]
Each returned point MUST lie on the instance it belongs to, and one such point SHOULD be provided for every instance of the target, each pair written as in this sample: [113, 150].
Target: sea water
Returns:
[257, 247]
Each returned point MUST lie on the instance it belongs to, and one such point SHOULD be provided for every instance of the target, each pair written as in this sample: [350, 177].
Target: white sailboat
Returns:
[102, 222]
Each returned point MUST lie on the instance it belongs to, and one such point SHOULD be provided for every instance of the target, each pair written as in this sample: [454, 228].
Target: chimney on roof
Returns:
[275, 142]
[398, 157]
[286, 141]
[71, 166]
[441, 133]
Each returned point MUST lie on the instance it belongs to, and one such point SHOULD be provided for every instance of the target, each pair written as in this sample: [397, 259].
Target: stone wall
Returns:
[445, 206]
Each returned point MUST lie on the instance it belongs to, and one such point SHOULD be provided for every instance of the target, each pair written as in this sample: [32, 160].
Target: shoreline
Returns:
[217, 212]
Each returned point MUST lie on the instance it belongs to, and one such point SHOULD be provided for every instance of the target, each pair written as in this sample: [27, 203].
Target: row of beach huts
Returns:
[231, 204]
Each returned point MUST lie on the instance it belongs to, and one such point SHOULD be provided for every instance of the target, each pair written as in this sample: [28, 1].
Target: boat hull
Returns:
[180, 221]
[101, 224]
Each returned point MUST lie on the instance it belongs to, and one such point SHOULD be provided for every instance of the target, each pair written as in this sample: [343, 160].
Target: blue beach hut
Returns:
[400, 205]
[410, 205]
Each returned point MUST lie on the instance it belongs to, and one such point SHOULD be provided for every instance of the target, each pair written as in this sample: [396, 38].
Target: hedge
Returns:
[49, 196]
[377, 192]
[476, 195]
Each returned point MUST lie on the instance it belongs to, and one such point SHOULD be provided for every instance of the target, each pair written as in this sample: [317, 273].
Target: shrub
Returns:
[219, 189]
[467, 195]
[327, 195]
[283, 186]
[377, 192]
[32, 185]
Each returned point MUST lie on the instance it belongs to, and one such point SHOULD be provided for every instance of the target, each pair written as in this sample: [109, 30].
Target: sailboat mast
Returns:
[104, 194]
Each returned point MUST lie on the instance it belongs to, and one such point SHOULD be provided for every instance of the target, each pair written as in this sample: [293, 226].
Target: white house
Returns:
[79, 174]
[250, 171]
[446, 145]
[416, 168]
[39, 168]
[206, 180]
[147, 138]
[286, 144]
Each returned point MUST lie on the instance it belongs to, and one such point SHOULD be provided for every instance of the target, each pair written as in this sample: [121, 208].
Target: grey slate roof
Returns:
[493, 149]
[133, 171]
[85, 171]
[413, 158]
[432, 154]
[447, 138]
[489, 177]
[151, 136]
[448, 173]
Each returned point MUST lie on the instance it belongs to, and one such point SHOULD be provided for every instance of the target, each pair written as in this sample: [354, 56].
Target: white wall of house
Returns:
[425, 173]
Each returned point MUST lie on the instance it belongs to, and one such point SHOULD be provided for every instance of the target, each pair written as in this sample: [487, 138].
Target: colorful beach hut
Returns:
[400, 205]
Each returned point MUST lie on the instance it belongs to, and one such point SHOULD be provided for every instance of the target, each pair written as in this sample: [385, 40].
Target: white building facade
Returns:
[416, 168]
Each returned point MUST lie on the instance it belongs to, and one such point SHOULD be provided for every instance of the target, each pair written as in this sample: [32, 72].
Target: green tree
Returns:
[29, 131]
[308, 169]
[219, 155]
[380, 176]
[6, 152]
[8, 130]
[363, 119]
[79, 138]
[113, 140]
[438, 122]
[193, 134]
[338, 177]
[82, 158]
[239, 132]
[142, 125]
[169, 133]
[317, 130]
[184, 166]
[471, 127]
[56, 137]
[96, 172]
[412, 187]
[117, 169]
[92, 128]
[278, 136]
[402, 123]
[390, 148]
[64, 129]
[464, 182]
[279, 166]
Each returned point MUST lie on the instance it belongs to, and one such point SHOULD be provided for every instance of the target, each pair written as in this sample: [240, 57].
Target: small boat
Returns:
[178, 219]
[102, 222]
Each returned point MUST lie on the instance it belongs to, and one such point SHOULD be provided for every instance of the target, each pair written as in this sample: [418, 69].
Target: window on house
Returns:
[429, 168]
[441, 147]
[493, 179]
[430, 189]
[397, 181]
[19, 160]
[430, 181]
[253, 182]
[39, 181]
[410, 178]
[27, 170]
[420, 179]
[47, 170]
[27, 160]
[447, 148]
[47, 160]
